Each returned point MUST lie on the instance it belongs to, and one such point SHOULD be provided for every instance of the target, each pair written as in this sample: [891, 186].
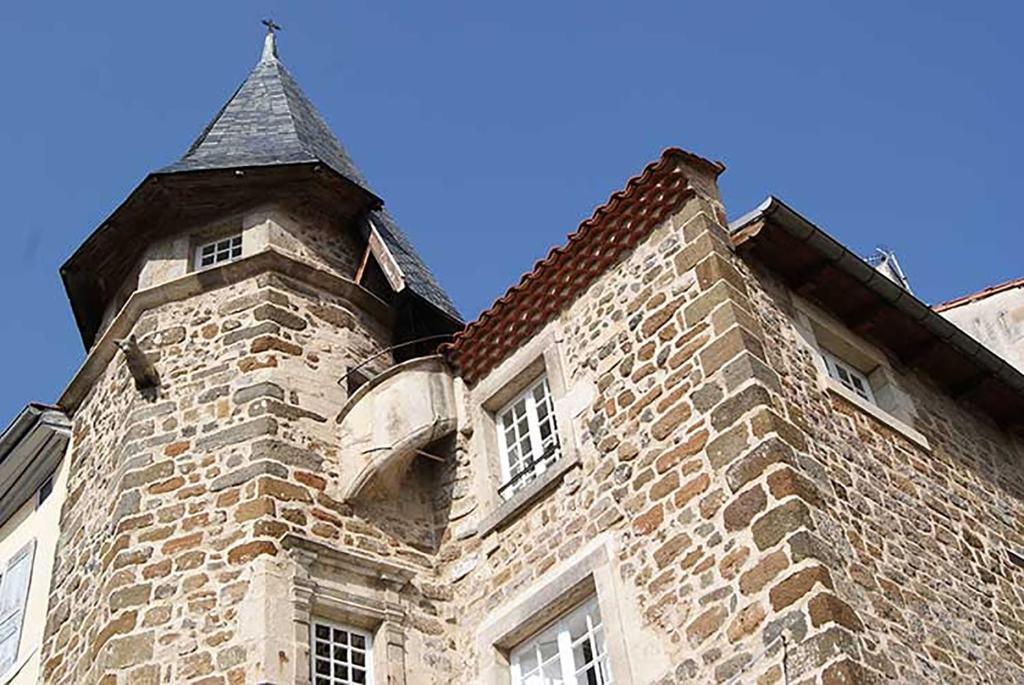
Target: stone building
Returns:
[678, 450]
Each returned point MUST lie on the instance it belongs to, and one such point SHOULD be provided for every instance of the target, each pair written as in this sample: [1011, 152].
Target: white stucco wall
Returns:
[996, 321]
[41, 524]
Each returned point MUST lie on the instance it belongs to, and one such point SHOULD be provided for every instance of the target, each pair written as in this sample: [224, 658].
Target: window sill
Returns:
[499, 518]
[916, 437]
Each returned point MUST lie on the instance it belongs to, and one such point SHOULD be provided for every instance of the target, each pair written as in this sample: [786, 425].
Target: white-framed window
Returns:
[528, 436]
[218, 252]
[570, 651]
[341, 655]
[15, 578]
[848, 376]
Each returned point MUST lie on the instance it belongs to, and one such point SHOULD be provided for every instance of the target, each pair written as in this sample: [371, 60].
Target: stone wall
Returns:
[917, 538]
[172, 563]
[763, 530]
[739, 522]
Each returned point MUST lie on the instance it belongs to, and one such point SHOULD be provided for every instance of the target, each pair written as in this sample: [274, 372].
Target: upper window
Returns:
[570, 651]
[341, 656]
[218, 252]
[528, 437]
[848, 376]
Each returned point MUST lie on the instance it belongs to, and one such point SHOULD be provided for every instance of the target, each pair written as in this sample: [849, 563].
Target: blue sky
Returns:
[492, 129]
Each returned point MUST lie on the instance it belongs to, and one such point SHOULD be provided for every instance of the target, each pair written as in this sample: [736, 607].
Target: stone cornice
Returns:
[197, 282]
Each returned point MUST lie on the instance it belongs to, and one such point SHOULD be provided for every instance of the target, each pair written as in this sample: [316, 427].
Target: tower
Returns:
[231, 306]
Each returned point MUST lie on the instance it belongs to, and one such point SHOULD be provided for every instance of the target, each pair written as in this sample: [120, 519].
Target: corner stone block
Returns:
[774, 525]
[757, 461]
[794, 586]
[727, 346]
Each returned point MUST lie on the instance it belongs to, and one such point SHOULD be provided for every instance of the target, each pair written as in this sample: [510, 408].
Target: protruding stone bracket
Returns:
[147, 380]
[390, 420]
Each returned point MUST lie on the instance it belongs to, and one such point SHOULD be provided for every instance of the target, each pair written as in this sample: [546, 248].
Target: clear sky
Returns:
[492, 129]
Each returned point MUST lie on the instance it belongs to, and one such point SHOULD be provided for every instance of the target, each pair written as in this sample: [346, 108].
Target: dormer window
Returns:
[218, 252]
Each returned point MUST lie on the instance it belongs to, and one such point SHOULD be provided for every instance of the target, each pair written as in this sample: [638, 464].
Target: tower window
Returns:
[218, 252]
[341, 656]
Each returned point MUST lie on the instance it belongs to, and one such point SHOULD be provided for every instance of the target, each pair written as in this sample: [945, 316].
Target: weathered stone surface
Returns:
[827, 608]
[266, 343]
[727, 346]
[250, 550]
[276, 450]
[257, 391]
[247, 473]
[262, 329]
[260, 427]
[743, 508]
[774, 525]
[763, 572]
[734, 406]
[269, 312]
[728, 446]
[798, 584]
[757, 461]
[129, 650]
[706, 624]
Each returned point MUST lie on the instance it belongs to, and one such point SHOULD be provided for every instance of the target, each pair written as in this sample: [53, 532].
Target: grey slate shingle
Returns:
[269, 121]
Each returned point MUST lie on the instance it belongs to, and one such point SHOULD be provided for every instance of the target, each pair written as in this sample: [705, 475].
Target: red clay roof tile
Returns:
[614, 228]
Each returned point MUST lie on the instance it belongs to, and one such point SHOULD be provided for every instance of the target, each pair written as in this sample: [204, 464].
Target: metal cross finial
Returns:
[270, 41]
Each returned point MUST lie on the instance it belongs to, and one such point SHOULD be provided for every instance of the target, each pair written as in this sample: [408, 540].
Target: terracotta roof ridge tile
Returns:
[558, 278]
[980, 294]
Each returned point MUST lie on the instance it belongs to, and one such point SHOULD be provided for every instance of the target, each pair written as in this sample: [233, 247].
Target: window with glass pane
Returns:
[848, 376]
[569, 652]
[529, 437]
[341, 656]
[219, 251]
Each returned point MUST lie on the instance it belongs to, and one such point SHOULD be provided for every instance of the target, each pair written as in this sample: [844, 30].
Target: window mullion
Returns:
[536, 443]
[565, 656]
[506, 467]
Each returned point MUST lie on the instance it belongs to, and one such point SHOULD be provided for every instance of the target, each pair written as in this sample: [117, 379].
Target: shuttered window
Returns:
[13, 595]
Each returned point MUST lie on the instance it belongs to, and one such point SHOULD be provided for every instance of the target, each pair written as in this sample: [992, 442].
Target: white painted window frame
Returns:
[350, 630]
[848, 375]
[595, 634]
[234, 244]
[541, 463]
[898, 410]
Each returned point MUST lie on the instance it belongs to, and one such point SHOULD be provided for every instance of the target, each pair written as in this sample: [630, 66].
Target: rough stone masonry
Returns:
[738, 519]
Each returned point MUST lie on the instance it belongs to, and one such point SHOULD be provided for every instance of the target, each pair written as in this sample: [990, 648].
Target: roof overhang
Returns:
[31, 448]
[164, 203]
[819, 268]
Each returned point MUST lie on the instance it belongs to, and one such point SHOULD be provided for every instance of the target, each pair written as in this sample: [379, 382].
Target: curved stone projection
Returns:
[389, 419]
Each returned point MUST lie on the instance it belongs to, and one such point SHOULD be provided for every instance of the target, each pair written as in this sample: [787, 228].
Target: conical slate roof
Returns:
[269, 121]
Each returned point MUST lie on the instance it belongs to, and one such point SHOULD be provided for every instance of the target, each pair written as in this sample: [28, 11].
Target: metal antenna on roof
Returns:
[270, 42]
